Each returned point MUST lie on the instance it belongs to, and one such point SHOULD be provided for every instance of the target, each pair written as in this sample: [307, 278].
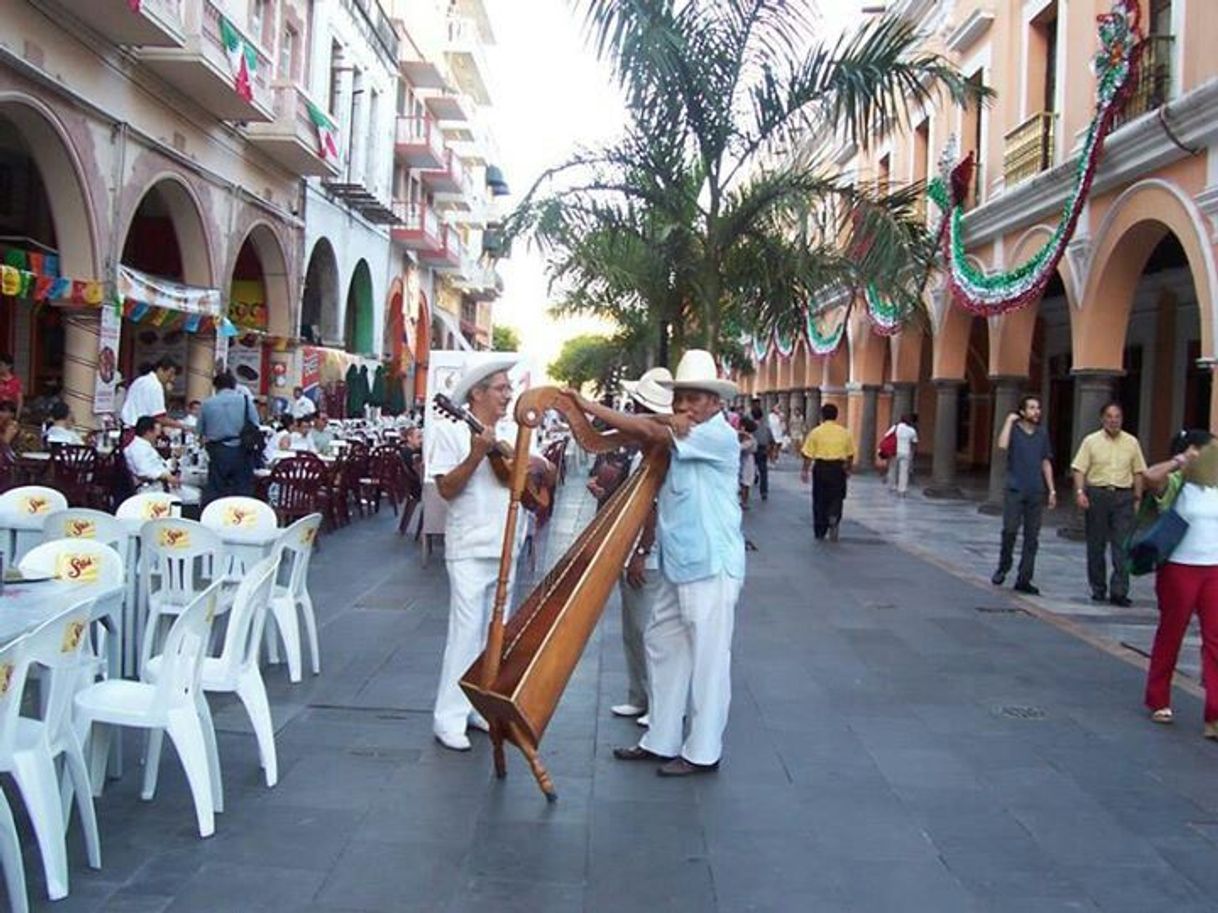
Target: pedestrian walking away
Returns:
[689, 638]
[828, 451]
[765, 440]
[1107, 474]
[1187, 582]
[222, 418]
[1029, 482]
[904, 436]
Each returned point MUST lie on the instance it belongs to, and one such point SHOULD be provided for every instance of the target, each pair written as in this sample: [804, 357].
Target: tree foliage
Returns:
[720, 212]
[591, 359]
[504, 339]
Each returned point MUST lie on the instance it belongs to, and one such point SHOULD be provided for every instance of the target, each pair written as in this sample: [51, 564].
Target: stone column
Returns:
[902, 399]
[1007, 391]
[80, 331]
[865, 455]
[943, 465]
[811, 408]
[795, 400]
[200, 365]
[1092, 389]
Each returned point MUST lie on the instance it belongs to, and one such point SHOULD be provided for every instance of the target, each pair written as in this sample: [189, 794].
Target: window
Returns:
[287, 53]
[260, 17]
[336, 71]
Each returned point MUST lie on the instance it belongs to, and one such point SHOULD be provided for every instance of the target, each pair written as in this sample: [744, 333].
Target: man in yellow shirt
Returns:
[827, 451]
[1108, 487]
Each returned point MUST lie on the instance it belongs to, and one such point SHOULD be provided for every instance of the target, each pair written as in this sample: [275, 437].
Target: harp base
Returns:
[508, 724]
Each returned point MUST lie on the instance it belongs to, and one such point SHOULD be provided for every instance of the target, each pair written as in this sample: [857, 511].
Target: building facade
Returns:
[1131, 313]
[169, 165]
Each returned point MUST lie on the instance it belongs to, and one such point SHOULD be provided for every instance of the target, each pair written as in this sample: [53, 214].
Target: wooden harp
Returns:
[517, 681]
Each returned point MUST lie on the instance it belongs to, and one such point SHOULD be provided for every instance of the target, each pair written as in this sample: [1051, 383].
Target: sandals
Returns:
[1163, 715]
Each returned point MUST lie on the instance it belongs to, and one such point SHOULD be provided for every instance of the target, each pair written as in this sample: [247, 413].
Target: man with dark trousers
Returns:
[828, 452]
[1029, 476]
[765, 440]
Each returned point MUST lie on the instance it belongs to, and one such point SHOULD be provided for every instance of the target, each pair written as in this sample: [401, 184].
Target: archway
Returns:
[361, 328]
[422, 346]
[259, 297]
[319, 300]
[49, 226]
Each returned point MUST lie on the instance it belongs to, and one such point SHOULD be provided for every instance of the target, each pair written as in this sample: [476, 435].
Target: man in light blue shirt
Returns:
[689, 637]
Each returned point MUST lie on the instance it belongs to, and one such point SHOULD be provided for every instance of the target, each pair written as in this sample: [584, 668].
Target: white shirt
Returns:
[145, 397]
[57, 434]
[144, 462]
[190, 422]
[304, 441]
[907, 436]
[476, 517]
[776, 428]
[1198, 506]
[303, 406]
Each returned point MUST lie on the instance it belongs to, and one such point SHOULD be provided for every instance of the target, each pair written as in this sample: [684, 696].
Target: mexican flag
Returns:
[242, 59]
[327, 134]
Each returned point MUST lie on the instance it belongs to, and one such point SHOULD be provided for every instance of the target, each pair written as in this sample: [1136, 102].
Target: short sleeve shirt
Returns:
[1026, 454]
[698, 513]
[10, 389]
[829, 441]
[1106, 460]
[146, 397]
[907, 436]
[477, 516]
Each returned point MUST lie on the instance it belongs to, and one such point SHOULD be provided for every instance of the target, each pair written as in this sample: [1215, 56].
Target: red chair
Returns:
[413, 492]
[73, 471]
[299, 485]
[386, 476]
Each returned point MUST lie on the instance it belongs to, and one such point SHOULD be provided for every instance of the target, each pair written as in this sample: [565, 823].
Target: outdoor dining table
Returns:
[25, 605]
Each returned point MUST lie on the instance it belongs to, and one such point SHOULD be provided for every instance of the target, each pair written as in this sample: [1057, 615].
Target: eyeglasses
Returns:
[502, 388]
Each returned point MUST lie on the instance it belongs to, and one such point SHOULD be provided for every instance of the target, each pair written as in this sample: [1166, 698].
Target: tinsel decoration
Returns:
[989, 294]
[825, 340]
[785, 347]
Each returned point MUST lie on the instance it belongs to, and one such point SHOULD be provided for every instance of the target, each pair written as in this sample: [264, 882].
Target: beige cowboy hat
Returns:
[477, 373]
[697, 371]
[650, 391]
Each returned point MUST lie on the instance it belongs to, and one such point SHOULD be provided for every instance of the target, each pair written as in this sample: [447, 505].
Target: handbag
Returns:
[1151, 546]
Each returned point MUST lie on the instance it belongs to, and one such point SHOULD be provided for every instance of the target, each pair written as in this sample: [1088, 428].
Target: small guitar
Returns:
[537, 494]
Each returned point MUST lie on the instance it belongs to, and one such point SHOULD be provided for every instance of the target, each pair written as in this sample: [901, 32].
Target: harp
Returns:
[517, 681]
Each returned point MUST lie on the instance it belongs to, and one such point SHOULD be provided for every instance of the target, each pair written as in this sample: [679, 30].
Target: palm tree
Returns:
[734, 109]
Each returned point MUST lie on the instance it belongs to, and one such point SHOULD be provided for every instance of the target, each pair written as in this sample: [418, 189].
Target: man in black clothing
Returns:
[764, 439]
[1029, 475]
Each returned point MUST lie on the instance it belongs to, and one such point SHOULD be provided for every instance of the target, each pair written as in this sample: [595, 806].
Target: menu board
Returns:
[153, 343]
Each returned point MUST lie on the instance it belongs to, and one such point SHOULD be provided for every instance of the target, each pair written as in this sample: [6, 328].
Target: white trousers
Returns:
[898, 473]
[471, 584]
[689, 658]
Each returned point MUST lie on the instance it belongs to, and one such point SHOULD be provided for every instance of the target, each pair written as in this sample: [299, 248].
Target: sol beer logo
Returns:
[239, 516]
[6, 678]
[72, 633]
[210, 614]
[174, 537]
[78, 568]
[81, 529]
[308, 535]
[156, 510]
[37, 504]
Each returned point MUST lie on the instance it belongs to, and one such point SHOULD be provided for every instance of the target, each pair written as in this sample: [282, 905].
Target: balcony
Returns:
[1153, 88]
[482, 283]
[449, 256]
[419, 143]
[450, 178]
[201, 70]
[418, 228]
[459, 201]
[1028, 149]
[292, 139]
[150, 24]
[466, 60]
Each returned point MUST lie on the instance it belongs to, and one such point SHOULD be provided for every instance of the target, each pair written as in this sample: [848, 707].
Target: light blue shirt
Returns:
[698, 518]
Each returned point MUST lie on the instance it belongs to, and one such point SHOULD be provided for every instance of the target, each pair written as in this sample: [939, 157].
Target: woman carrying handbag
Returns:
[1184, 542]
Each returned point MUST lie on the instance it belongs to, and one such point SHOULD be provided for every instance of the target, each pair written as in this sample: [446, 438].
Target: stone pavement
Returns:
[900, 740]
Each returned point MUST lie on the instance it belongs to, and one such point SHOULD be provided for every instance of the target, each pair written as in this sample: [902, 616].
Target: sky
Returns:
[550, 96]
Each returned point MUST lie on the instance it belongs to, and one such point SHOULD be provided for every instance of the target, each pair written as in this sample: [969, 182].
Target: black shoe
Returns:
[998, 578]
[638, 753]
[1021, 587]
[1123, 602]
[1099, 597]
[679, 767]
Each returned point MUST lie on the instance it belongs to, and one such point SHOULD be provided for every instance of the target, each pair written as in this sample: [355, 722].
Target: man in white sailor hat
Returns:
[473, 535]
[689, 637]
[641, 581]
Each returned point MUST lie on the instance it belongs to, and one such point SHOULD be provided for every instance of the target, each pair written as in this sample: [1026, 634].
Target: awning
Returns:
[454, 327]
[162, 301]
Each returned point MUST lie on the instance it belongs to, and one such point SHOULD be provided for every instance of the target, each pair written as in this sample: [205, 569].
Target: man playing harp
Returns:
[689, 637]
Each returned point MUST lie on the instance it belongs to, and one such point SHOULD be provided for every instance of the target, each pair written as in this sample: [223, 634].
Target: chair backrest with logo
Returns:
[79, 561]
[238, 513]
[83, 523]
[60, 644]
[149, 505]
[28, 506]
[184, 554]
[177, 680]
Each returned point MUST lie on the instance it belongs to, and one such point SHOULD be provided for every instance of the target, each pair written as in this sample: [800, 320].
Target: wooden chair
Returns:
[385, 476]
[413, 492]
[73, 471]
[300, 485]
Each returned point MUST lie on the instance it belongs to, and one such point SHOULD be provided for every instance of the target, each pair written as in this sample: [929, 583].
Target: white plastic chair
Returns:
[174, 704]
[235, 670]
[23, 510]
[149, 505]
[233, 516]
[185, 557]
[13, 666]
[29, 747]
[85, 523]
[293, 551]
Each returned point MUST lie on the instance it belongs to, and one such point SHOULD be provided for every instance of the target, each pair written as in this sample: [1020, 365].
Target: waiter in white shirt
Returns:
[473, 537]
[302, 406]
[146, 396]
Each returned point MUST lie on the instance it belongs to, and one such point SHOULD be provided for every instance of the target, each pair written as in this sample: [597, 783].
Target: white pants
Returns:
[471, 584]
[636, 613]
[898, 473]
[689, 658]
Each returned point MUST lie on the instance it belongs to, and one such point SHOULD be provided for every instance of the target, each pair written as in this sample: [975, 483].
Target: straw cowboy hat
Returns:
[477, 373]
[697, 371]
[650, 392]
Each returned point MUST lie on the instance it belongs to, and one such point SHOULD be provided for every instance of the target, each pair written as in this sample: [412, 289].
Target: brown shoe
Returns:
[679, 767]
[638, 753]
